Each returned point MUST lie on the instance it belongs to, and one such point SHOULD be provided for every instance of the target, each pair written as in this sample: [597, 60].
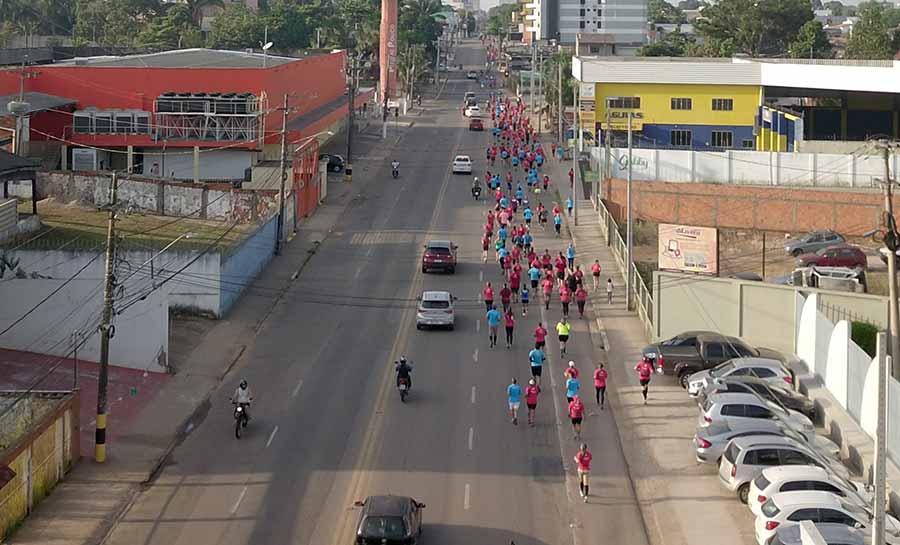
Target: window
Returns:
[797, 485]
[833, 515]
[794, 458]
[681, 104]
[124, 123]
[680, 138]
[732, 410]
[767, 457]
[755, 411]
[102, 124]
[581, 12]
[804, 514]
[748, 144]
[763, 372]
[714, 350]
[580, 24]
[827, 487]
[623, 103]
[82, 124]
[721, 139]
[722, 104]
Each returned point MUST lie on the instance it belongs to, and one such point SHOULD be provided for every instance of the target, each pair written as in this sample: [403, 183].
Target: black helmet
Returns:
[243, 384]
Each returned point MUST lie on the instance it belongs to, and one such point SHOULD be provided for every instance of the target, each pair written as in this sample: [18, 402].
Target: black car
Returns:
[335, 161]
[752, 385]
[389, 520]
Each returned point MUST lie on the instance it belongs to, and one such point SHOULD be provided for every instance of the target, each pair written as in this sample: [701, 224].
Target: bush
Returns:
[865, 335]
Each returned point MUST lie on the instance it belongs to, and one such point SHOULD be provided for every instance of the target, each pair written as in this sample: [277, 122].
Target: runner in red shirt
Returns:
[579, 275]
[595, 271]
[547, 287]
[576, 414]
[580, 299]
[571, 371]
[561, 268]
[515, 279]
[565, 297]
[488, 294]
[540, 336]
[505, 296]
[645, 371]
[546, 260]
[583, 468]
[485, 246]
[531, 398]
[600, 376]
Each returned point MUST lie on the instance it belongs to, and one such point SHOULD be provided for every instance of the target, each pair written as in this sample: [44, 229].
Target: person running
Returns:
[540, 336]
[505, 297]
[560, 265]
[536, 360]
[546, 260]
[485, 246]
[488, 296]
[514, 395]
[569, 206]
[572, 387]
[565, 297]
[570, 255]
[609, 291]
[595, 272]
[580, 300]
[525, 296]
[571, 371]
[528, 215]
[600, 376]
[557, 224]
[645, 371]
[542, 218]
[502, 258]
[493, 319]
[534, 274]
[510, 323]
[531, 398]
[576, 415]
[583, 467]
[579, 275]
[547, 285]
[563, 328]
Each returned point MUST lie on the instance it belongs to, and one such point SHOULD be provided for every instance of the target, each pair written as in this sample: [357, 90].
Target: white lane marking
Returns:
[272, 436]
[237, 504]
[466, 498]
[297, 389]
[481, 276]
[471, 437]
[358, 271]
[477, 326]
[475, 355]
[473, 395]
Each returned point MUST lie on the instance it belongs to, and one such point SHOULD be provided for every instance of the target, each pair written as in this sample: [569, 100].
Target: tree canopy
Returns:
[873, 36]
[756, 28]
[660, 11]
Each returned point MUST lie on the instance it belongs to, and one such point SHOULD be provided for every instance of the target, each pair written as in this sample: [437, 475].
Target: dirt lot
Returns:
[741, 251]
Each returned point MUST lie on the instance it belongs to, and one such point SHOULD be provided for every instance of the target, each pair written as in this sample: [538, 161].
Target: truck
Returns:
[693, 351]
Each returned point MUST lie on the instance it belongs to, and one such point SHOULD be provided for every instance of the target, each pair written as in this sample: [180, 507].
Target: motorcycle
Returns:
[476, 192]
[240, 418]
[403, 388]
[395, 173]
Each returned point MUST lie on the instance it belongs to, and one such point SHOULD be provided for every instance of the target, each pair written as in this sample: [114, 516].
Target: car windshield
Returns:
[432, 304]
[678, 340]
[384, 527]
[858, 512]
[722, 369]
[438, 250]
[769, 509]
[822, 251]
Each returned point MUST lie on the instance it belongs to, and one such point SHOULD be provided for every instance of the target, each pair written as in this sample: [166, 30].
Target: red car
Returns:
[476, 125]
[835, 256]
[439, 254]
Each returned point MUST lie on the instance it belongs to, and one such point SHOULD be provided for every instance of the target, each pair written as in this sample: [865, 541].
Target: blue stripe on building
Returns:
[660, 136]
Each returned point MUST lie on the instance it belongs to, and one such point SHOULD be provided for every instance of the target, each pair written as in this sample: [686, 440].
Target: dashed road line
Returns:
[475, 356]
[297, 389]
[466, 497]
[237, 504]
[272, 436]
[473, 395]
[471, 438]
[477, 326]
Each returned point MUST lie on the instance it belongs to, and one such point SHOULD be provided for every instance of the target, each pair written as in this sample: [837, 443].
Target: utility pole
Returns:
[437, 63]
[531, 83]
[541, 92]
[279, 238]
[629, 228]
[575, 181]
[107, 330]
[879, 479]
[351, 113]
[892, 243]
[559, 108]
[608, 145]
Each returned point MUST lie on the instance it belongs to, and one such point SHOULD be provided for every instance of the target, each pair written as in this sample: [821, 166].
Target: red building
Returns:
[186, 114]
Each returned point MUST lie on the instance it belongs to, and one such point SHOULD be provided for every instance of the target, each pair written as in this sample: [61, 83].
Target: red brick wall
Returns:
[850, 212]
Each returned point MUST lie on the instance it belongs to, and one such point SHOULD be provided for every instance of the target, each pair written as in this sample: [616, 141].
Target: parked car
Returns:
[736, 409]
[389, 520]
[852, 279]
[476, 125]
[471, 74]
[439, 254]
[772, 371]
[462, 164]
[436, 310]
[472, 111]
[884, 252]
[812, 242]
[746, 457]
[694, 351]
[835, 256]
[790, 508]
[775, 480]
[469, 95]
[710, 441]
[832, 533]
[774, 392]
[335, 161]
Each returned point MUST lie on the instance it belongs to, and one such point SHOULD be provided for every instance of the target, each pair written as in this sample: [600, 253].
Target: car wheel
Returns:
[419, 327]
[684, 379]
[337, 168]
[743, 491]
[451, 327]
[424, 270]
[452, 270]
[797, 252]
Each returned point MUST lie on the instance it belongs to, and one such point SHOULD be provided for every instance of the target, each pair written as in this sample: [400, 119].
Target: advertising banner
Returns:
[689, 249]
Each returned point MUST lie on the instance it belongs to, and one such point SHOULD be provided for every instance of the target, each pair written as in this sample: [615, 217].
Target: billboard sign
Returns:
[689, 249]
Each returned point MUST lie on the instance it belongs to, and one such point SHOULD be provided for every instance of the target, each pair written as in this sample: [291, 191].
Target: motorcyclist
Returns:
[476, 187]
[404, 369]
[242, 397]
[395, 165]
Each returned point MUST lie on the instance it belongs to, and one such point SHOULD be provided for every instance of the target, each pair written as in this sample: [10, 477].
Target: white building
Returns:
[624, 20]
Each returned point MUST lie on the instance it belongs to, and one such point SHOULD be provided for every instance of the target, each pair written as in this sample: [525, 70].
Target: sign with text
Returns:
[618, 120]
[689, 249]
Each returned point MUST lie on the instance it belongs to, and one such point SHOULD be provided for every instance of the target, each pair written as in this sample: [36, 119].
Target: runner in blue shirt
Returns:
[557, 223]
[526, 240]
[572, 387]
[569, 206]
[536, 359]
[539, 160]
[502, 233]
[515, 161]
[493, 319]
[570, 255]
[534, 274]
[514, 392]
[520, 194]
[525, 296]
[504, 203]
[527, 214]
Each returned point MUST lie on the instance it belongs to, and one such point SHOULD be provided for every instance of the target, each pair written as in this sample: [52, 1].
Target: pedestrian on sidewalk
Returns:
[488, 295]
[576, 415]
[580, 300]
[531, 398]
[540, 336]
[525, 296]
[563, 328]
[645, 371]
[572, 387]
[609, 291]
[600, 376]
[536, 359]
[514, 396]
[493, 320]
[583, 468]
[565, 297]
[595, 271]
[510, 323]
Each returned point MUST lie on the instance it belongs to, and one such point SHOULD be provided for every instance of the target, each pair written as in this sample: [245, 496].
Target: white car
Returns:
[471, 74]
[473, 111]
[462, 164]
[435, 310]
[736, 409]
[775, 480]
[790, 508]
[767, 369]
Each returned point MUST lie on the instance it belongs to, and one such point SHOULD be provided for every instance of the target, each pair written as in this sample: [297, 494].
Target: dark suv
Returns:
[439, 254]
[389, 520]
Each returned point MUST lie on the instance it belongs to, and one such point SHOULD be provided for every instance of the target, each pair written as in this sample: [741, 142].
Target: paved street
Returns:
[328, 427]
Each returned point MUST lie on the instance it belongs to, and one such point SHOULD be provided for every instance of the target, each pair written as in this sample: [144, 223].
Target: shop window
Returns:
[681, 138]
[748, 143]
[722, 104]
[681, 103]
[721, 139]
[624, 103]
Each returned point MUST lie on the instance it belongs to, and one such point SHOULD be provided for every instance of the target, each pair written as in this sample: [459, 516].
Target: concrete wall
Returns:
[242, 265]
[209, 201]
[216, 165]
[748, 167]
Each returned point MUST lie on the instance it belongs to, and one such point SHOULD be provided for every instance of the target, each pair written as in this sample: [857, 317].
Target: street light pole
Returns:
[892, 243]
[629, 266]
[351, 113]
[279, 239]
[559, 108]
[879, 479]
[575, 181]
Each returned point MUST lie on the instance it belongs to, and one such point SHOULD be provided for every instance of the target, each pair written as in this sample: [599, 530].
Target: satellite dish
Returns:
[267, 46]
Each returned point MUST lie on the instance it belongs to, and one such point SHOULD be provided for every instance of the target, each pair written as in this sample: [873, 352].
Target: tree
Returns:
[811, 42]
[237, 27]
[550, 76]
[673, 44]
[351, 24]
[835, 6]
[690, 4]
[871, 38]
[291, 25]
[174, 29]
[752, 27]
[420, 24]
[660, 11]
[500, 20]
[195, 7]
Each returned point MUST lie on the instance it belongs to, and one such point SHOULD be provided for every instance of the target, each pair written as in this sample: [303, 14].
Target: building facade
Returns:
[624, 20]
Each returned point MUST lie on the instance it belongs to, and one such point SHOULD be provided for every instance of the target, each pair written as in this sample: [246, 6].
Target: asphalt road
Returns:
[328, 427]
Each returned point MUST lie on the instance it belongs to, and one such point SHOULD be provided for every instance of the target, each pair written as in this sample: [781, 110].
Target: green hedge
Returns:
[865, 335]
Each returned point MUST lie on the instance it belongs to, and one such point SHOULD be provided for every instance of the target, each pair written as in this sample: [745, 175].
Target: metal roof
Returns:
[186, 58]
[13, 164]
[37, 102]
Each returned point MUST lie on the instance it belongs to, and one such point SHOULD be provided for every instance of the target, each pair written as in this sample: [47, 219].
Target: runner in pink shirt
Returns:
[580, 299]
[547, 286]
[595, 271]
[645, 371]
[600, 376]
[576, 414]
[565, 297]
[583, 467]
[531, 398]
[515, 278]
[540, 336]
[488, 294]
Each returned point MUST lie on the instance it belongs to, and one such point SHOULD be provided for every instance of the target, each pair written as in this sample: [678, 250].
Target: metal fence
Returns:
[837, 313]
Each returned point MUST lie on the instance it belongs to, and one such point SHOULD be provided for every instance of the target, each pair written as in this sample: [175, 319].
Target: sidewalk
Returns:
[85, 505]
[681, 501]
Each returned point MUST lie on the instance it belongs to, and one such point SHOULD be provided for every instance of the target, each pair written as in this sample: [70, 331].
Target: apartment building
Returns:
[624, 20]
